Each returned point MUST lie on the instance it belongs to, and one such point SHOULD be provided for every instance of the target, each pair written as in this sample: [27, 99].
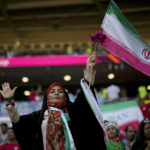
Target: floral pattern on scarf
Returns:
[55, 139]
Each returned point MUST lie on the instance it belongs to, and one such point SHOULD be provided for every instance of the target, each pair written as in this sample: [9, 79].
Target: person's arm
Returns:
[8, 95]
[89, 72]
[89, 76]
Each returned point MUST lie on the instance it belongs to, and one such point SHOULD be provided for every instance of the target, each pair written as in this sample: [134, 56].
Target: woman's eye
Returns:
[60, 91]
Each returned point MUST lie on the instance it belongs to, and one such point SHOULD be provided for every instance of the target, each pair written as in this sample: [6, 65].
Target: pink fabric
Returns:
[124, 53]
[29, 61]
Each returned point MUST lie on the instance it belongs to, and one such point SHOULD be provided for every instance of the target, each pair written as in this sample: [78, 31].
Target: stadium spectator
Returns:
[142, 141]
[32, 95]
[3, 134]
[100, 97]
[12, 144]
[113, 93]
[69, 49]
[130, 137]
[113, 136]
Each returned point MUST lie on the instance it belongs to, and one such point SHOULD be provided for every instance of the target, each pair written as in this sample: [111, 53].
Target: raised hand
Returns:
[91, 61]
[6, 91]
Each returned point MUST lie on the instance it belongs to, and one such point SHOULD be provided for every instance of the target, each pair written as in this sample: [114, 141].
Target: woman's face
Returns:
[147, 131]
[111, 132]
[56, 94]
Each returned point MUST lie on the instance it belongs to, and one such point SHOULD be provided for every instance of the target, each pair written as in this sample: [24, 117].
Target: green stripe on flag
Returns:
[113, 9]
[118, 106]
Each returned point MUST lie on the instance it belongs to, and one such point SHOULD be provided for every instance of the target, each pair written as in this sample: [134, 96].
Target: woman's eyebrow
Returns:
[52, 90]
[60, 89]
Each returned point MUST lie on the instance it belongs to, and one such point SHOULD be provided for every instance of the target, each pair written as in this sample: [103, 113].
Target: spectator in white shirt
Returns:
[3, 134]
[113, 93]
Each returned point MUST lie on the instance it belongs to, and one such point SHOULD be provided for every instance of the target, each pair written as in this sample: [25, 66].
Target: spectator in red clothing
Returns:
[12, 144]
[3, 134]
[32, 96]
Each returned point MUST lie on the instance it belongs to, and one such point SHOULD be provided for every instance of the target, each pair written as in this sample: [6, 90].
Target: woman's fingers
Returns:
[7, 85]
[14, 89]
[4, 86]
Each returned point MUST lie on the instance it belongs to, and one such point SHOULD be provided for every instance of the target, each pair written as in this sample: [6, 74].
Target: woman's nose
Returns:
[56, 93]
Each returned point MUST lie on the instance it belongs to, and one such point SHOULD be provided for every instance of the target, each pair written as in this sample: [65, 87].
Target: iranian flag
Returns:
[125, 113]
[123, 41]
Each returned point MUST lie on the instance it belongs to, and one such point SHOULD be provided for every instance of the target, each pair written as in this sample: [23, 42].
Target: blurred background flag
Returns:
[123, 41]
[125, 113]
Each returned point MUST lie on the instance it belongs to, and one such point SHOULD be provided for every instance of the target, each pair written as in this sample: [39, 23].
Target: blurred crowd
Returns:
[7, 138]
[55, 49]
[132, 140]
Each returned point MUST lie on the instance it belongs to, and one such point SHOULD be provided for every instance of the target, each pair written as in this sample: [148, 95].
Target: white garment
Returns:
[3, 138]
[100, 98]
[37, 98]
[44, 128]
[71, 97]
[113, 92]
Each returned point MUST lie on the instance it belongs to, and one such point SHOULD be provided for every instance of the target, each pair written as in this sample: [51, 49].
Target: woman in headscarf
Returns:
[60, 124]
[142, 141]
[112, 131]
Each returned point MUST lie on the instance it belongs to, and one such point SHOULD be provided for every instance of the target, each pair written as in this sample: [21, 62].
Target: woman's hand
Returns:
[6, 91]
[89, 72]
[91, 62]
